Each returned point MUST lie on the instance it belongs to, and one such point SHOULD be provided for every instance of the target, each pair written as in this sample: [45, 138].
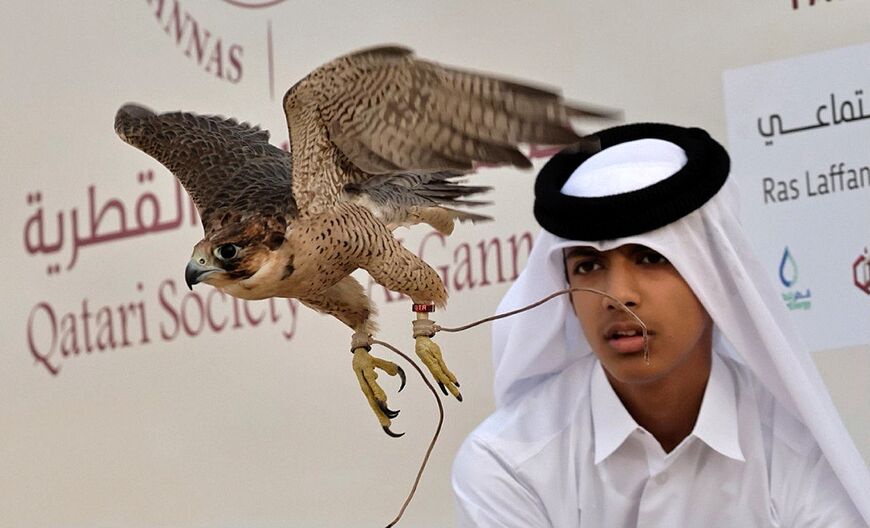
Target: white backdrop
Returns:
[798, 134]
[126, 400]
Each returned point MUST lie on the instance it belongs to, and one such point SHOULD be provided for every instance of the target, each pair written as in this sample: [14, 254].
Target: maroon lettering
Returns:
[69, 338]
[168, 336]
[237, 321]
[198, 43]
[195, 40]
[294, 306]
[140, 307]
[198, 315]
[86, 326]
[253, 321]
[175, 22]
[43, 354]
[216, 59]
[515, 252]
[234, 75]
[122, 313]
[484, 253]
[108, 327]
[159, 13]
[273, 310]
[105, 333]
[216, 328]
[461, 282]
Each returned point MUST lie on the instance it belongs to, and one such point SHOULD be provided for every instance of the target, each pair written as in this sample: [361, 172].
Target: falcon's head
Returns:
[241, 186]
[233, 254]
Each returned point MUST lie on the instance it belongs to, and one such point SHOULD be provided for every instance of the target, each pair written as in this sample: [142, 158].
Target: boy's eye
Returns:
[652, 257]
[586, 266]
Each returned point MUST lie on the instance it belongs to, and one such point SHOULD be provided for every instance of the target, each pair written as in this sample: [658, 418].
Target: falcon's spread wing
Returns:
[229, 168]
[384, 112]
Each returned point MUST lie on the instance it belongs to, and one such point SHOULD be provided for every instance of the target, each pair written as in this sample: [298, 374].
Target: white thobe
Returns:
[569, 454]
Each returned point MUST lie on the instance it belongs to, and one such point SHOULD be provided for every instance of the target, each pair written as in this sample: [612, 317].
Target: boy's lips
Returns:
[626, 345]
[625, 337]
[624, 329]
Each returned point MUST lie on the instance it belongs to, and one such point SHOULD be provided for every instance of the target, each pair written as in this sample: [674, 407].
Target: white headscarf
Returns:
[709, 250]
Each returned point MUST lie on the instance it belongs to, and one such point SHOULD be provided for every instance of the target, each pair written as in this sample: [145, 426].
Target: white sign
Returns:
[799, 137]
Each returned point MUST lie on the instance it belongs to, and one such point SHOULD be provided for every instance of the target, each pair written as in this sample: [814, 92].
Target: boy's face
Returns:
[678, 326]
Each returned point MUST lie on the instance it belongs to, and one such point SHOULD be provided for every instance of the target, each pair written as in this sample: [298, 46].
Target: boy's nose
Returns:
[622, 284]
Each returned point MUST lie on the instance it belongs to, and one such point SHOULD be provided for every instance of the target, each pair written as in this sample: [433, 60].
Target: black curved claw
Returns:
[390, 433]
[459, 396]
[386, 410]
[443, 389]
[402, 375]
[456, 383]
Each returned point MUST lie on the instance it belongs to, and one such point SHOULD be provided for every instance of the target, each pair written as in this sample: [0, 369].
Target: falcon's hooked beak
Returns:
[197, 271]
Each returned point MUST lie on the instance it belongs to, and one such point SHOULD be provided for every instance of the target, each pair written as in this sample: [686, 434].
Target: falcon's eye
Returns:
[226, 251]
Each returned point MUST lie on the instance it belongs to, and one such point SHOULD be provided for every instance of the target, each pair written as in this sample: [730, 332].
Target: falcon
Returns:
[378, 139]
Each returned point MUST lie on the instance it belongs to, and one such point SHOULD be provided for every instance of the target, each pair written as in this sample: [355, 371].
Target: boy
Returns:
[727, 424]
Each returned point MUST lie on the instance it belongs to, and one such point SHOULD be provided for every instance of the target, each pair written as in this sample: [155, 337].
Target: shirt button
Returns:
[661, 478]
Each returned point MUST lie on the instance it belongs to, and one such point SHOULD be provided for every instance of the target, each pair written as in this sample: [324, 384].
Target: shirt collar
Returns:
[611, 423]
[716, 425]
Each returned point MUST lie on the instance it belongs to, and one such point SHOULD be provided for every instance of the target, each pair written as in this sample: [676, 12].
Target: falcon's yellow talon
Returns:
[386, 410]
[403, 378]
[390, 433]
[364, 365]
[430, 354]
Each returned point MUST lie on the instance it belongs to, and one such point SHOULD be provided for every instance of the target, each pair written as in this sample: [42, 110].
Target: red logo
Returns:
[861, 272]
